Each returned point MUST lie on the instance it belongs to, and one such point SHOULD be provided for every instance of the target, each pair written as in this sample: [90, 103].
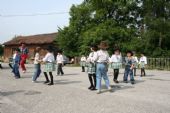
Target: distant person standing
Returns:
[24, 56]
[143, 63]
[135, 63]
[37, 65]
[83, 63]
[1, 63]
[16, 64]
[102, 59]
[116, 64]
[60, 63]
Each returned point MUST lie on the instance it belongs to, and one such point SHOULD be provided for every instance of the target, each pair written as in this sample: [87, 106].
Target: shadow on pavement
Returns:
[7, 93]
[65, 82]
[69, 74]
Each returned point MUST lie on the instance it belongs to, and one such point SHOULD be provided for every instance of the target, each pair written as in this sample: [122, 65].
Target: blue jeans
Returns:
[37, 72]
[15, 70]
[128, 71]
[101, 72]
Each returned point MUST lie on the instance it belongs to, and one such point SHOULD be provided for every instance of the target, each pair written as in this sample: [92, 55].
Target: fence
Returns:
[159, 63]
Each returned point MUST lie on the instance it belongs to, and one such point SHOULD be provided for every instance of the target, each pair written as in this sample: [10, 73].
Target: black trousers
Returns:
[83, 69]
[143, 72]
[10, 65]
[1, 66]
[116, 74]
[46, 77]
[60, 69]
[92, 80]
[134, 71]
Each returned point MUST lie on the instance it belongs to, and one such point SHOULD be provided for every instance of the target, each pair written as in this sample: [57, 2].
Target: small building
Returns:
[33, 41]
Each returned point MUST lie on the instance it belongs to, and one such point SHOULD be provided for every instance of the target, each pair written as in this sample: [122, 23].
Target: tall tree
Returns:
[140, 25]
[157, 21]
[96, 20]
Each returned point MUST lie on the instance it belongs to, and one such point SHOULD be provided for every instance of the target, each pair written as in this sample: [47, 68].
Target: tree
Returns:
[157, 20]
[96, 20]
[140, 25]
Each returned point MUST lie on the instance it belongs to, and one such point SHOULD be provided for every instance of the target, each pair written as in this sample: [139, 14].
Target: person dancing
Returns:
[83, 63]
[60, 63]
[129, 65]
[143, 63]
[116, 64]
[49, 61]
[102, 58]
[24, 56]
[91, 68]
[136, 63]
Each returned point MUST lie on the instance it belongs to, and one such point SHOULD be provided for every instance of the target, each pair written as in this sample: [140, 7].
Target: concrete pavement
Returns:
[69, 94]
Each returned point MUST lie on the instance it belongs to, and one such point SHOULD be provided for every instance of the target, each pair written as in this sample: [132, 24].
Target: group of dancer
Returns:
[97, 64]
[98, 61]
[49, 60]
[19, 59]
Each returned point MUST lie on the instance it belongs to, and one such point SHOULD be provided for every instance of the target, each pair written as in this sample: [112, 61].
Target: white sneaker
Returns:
[34, 81]
[110, 89]
[98, 91]
[24, 71]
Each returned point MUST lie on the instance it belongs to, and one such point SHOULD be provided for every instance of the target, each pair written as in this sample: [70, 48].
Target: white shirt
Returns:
[37, 58]
[91, 57]
[49, 57]
[102, 56]
[143, 59]
[14, 55]
[83, 59]
[135, 59]
[60, 59]
[116, 58]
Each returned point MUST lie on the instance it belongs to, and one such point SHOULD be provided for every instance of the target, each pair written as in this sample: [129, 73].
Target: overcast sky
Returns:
[30, 25]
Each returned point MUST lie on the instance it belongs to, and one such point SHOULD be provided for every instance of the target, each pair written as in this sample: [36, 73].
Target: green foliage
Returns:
[156, 16]
[140, 25]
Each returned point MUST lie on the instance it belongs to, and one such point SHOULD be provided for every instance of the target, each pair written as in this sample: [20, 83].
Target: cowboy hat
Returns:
[103, 45]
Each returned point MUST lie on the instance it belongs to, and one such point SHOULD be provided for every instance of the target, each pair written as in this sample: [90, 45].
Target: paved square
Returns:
[69, 94]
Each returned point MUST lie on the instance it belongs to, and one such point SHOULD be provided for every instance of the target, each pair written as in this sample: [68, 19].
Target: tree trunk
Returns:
[160, 40]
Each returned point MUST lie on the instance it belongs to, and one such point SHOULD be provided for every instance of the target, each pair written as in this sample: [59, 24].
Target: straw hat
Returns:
[37, 48]
[103, 45]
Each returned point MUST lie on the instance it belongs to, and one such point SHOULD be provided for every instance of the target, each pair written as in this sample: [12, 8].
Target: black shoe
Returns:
[132, 82]
[46, 82]
[93, 88]
[90, 87]
[17, 77]
[125, 81]
[116, 81]
[50, 84]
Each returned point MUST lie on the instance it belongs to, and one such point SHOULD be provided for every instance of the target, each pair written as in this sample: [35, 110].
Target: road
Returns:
[69, 94]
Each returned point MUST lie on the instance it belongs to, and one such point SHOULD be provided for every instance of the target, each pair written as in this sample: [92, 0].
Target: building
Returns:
[41, 40]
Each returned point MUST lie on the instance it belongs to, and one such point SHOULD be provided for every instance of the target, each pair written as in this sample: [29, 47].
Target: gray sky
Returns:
[30, 25]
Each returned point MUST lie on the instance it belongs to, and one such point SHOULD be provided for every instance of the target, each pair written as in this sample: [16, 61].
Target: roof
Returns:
[33, 39]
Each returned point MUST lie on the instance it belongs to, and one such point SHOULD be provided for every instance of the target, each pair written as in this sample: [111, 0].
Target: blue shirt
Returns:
[17, 59]
[129, 62]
